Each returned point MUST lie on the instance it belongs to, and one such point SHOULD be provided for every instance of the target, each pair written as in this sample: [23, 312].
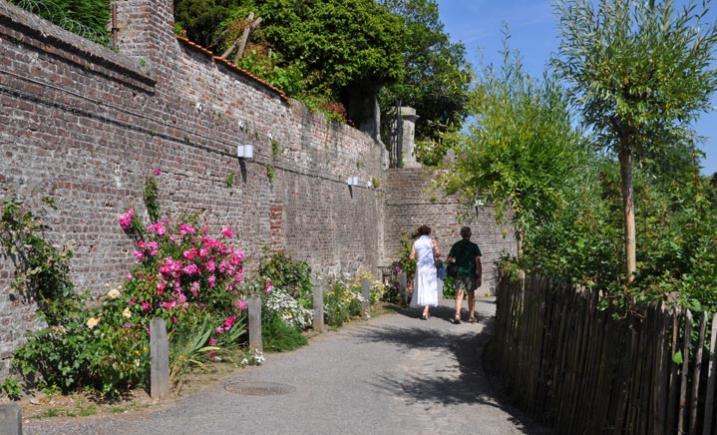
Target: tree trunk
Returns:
[628, 207]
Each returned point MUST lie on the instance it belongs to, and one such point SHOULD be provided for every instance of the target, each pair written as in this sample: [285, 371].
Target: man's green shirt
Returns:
[465, 253]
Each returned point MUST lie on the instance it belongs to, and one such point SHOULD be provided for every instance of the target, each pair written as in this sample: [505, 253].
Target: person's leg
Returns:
[459, 299]
[471, 305]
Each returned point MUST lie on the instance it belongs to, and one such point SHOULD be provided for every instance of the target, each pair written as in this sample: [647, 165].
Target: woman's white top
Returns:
[424, 251]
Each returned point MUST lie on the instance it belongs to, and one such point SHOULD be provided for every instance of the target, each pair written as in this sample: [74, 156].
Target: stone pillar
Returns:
[145, 31]
[256, 342]
[408, 140]
[159, 359]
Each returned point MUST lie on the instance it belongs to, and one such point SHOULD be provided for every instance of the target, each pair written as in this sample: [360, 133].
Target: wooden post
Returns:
[10, 419]
[710, 394]
[682, 416]
[692, 429]
[159, 355]
[366, 293]
[255, 341]
[318, 307]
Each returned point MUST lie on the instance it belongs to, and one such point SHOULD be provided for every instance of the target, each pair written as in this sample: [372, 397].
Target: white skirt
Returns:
[427, 288]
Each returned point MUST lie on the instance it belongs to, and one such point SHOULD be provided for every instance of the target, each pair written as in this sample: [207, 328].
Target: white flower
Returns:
[113, 294]
[127, 313]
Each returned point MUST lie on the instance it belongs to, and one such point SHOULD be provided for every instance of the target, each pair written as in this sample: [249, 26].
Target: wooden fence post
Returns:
[710, 394]
[255, 341]
[159, 359]
[318, 296]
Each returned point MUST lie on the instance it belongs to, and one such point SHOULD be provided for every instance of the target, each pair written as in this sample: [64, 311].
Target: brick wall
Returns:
[411, 202]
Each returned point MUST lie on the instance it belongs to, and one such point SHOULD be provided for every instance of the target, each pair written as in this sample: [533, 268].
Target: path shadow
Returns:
[471, 386]
[444, 312]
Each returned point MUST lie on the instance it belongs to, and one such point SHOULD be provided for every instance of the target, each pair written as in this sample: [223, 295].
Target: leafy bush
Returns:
[278, 335]
[342, 302]
[293, 277]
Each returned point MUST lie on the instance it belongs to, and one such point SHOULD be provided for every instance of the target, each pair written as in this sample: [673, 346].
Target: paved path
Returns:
[392, 375]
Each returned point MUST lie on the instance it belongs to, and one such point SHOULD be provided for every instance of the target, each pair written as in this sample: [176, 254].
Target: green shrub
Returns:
[292, 276]
[341, 303]
[278, 336]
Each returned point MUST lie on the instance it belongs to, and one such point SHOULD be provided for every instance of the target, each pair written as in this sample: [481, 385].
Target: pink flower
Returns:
[126, 325]
[190, 254]
[174, 320]
[204, 229]
[237, 257]
[139, 255]
[160, 289]
[229, 322]
[170, 267]
[152, 248]
[168, 305]
[269, 287]
[156, 172]
[227, 232]
[181, 298]
[240, 304]
[219, 330]
[195, 289]
[157, 228]
[132, 301]
[129, 275]
[224, 266]
[212, 341]
[211, 266]
[186, 230]
[212, 280]
[190, 269]
[146, 306]
[203, 253]
[125, 220]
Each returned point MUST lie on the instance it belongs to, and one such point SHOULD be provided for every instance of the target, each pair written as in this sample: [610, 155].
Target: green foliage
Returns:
[200, 18]
[151, 196]
[437, 75]
[275, 150]
[11, 387]
[230, 180]
[278, 336]
[42, 272]
[520, 148]
[290, 275]
[271, 173]
[342, 302]
[87, 18]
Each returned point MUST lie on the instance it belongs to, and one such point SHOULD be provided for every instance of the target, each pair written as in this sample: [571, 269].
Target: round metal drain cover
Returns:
[259, 388]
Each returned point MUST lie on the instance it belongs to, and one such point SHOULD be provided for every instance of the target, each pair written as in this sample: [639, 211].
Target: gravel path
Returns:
[395, 374]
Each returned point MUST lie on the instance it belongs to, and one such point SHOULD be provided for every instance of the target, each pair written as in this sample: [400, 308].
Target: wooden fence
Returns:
[583, 370]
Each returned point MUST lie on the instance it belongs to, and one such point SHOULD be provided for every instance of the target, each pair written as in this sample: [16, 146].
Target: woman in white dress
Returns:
[426, 286]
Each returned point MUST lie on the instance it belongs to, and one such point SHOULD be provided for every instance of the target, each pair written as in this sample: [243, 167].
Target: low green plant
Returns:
[11, 387]
[275, 150]
[151, 202]
[230, 180]
[270, 173]
[279, 336]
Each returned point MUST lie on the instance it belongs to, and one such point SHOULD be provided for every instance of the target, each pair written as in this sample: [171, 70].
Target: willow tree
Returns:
[641, 73]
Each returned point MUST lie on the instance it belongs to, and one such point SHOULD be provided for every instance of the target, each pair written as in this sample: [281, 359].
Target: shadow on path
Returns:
[470, 386]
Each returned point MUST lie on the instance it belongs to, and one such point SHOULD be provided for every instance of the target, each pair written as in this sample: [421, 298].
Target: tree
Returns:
[640, 71]
[437, 75]
[200, 18]
[521, 147]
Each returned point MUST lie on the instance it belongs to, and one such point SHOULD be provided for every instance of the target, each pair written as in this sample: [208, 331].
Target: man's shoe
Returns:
[456, 321]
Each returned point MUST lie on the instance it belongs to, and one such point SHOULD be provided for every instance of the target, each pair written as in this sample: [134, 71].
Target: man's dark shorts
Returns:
[467, 283]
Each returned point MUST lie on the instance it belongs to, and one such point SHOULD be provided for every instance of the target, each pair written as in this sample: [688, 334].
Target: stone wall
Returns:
[86, 125]
[411, 202]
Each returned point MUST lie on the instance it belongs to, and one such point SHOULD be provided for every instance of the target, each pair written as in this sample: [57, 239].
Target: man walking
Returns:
[466, 256]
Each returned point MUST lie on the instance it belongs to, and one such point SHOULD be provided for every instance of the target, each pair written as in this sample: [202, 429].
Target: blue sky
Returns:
[533, 30]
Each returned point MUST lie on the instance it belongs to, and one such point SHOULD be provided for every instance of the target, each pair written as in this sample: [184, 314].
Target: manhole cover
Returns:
[259, 388]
